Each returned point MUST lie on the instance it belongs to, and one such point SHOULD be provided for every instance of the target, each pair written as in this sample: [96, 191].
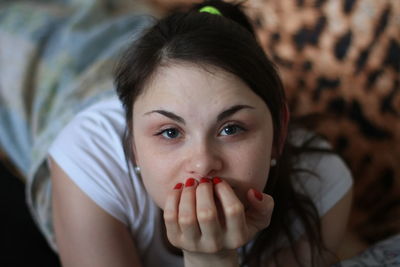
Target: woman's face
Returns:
[194, 122]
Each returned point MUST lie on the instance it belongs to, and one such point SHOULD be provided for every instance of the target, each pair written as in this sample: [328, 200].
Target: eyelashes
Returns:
[231, 129]
[173, 133]
[169, 133]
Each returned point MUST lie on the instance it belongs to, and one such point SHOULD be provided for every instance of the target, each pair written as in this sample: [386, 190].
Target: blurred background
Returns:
[338, 58]
[22, 243]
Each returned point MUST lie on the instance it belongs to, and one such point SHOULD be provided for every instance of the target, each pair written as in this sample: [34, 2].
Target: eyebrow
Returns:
[223, 115]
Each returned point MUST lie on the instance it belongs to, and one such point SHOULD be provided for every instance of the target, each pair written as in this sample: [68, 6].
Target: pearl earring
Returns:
[273, 162]
[137, 170]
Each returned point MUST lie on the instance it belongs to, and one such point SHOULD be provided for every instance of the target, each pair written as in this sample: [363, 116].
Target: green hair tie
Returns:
[211, 10]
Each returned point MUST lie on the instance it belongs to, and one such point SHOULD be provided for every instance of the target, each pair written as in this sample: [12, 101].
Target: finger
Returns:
[207, 216]
[187, 214]
[260, 210]
[171, 214]
[233, 209]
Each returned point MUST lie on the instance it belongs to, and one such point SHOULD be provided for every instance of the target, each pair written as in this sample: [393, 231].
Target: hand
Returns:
[208, 220]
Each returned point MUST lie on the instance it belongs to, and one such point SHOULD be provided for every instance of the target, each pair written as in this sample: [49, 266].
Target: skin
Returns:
[86, 235]
[206, 220]
[201, 123]
[203, 146]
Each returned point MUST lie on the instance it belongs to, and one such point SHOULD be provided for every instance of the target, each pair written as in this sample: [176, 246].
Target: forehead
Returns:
[184, 82]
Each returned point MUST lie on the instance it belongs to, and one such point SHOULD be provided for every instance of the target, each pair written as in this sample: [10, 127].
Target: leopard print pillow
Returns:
[342, 58]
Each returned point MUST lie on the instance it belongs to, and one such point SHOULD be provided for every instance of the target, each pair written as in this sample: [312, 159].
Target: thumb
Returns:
[259, 213]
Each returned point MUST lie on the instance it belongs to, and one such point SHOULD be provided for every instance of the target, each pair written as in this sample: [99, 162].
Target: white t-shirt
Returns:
[90, 151]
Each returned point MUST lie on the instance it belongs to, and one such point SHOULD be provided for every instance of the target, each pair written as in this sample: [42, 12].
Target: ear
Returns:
[278, 147]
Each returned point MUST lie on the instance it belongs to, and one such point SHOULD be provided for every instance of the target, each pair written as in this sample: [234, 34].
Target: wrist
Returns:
[226, 258]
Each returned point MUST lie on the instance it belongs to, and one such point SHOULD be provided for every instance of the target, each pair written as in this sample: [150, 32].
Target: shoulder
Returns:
[323, 174]
[96, 131]
[90, 151]
[105, 118]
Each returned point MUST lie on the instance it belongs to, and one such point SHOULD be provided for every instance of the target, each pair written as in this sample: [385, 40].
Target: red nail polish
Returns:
[258, 195]
[216, 180]
[178, 186]
[204, 180]
[190, 182]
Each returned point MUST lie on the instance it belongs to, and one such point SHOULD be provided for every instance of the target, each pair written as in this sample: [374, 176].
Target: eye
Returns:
[170, 133]
[231, 130]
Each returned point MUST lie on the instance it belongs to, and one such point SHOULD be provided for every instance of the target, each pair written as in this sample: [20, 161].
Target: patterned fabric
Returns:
[342, 59]
[56, 57]
[336, 57]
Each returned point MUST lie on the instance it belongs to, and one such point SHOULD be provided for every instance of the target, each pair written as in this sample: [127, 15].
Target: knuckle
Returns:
[237, 241]
[174, 241]
[191, 248]
[234, 209]
[267, 222]
[169, 216]
[189, 245]
[272, 204]
[206, 215]
[186, 220]
[240, 241]
[268, 210]
[213, 247]
[235, 244]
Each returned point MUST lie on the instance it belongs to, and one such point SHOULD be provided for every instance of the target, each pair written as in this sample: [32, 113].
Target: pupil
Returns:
[171, 133]
[229, 130]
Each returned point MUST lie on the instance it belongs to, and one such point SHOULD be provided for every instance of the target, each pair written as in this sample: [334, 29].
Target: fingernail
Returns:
[204, 180]
[216, 180]
[190, 182]
[258, 195]
[178, 186]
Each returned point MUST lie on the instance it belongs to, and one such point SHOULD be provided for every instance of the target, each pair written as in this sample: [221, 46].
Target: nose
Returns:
[203, 160]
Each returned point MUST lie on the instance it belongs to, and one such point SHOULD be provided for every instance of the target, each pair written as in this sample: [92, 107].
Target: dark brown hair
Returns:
[229, 43]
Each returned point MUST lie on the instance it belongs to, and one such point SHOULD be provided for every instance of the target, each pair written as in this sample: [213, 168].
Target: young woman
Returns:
[195, 163]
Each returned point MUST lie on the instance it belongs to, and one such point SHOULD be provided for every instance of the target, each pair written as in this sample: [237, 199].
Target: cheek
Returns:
[157, 184]
[157, 192]
[155, 172]
[254, 170]
[251, 166]
[259, 169]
